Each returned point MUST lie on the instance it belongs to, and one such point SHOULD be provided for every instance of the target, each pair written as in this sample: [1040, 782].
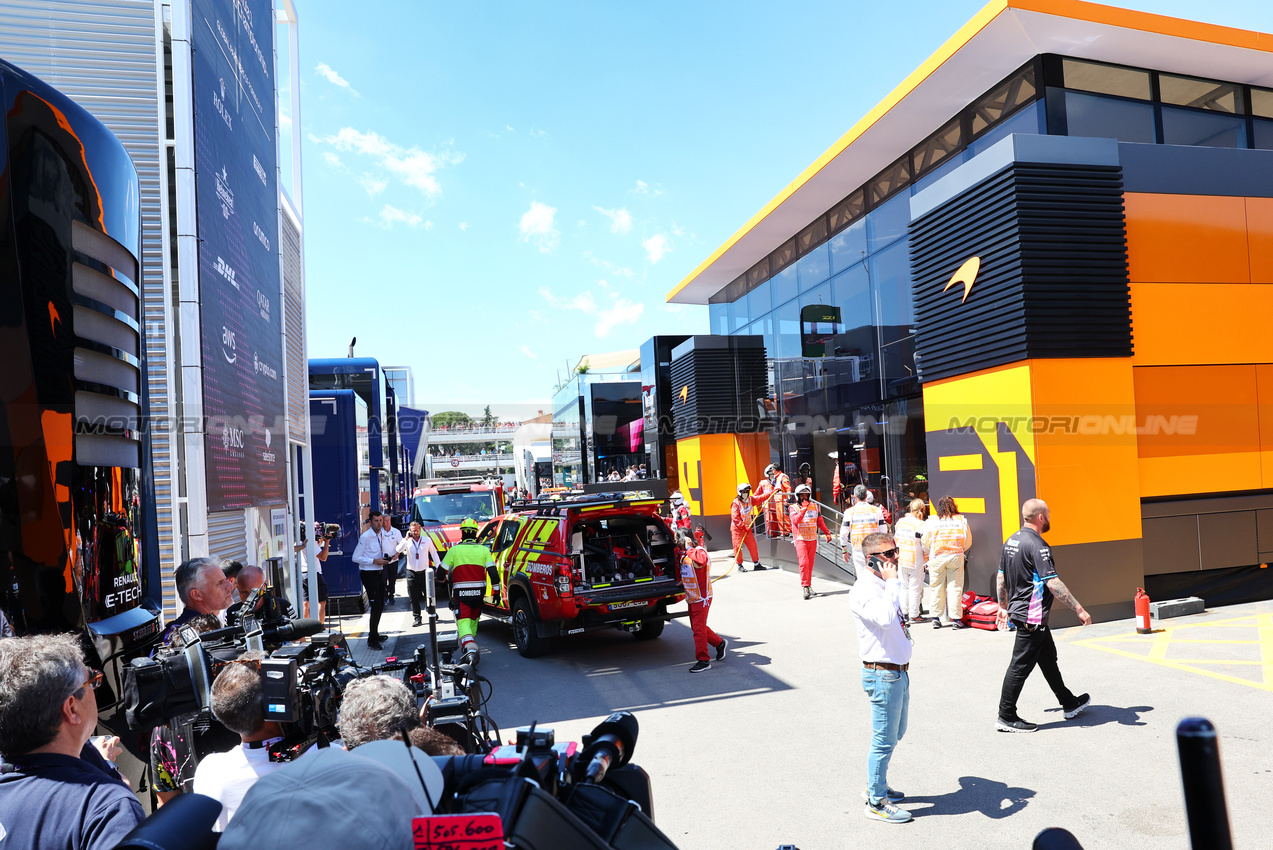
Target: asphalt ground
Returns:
[769, 747]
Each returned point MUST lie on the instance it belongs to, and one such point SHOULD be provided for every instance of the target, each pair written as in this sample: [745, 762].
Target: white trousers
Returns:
[912, 579]
[945, 595]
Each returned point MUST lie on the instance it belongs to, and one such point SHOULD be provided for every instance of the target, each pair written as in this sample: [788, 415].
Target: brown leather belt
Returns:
[884, 665]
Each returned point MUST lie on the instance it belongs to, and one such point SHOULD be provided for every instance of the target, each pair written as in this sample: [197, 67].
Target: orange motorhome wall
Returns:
[1203, 385]
[711, 466]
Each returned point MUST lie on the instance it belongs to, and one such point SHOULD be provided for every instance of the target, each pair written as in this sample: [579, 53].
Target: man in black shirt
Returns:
[271, 610]
[1026, 585]
[49, 796]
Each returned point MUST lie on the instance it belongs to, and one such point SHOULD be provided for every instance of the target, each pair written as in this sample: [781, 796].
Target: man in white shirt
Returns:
[420, 552]
[371, 561]
[390, 537]
[885, 646]
[237, 702]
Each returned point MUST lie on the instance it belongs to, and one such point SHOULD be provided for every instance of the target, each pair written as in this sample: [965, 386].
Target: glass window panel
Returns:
[891, 285]
[851, 291]
[738, 317]
[814, 267]
[1104, 117]
[938, 146]
[718, 318]
[887, 223]
[813, 235]
[1106, 79]
[820, 295]
[1027, 121]
[848, 247]
[787, 320]
[783, 286]
[1191, 127]
[1263, 134]
[890, 180]
[758, 301]
[1200, 94]
[758, 272]
[1262, 102]
[782, 256]
[283, 78]
[1004, 100]
[846, 211]
[950, 164]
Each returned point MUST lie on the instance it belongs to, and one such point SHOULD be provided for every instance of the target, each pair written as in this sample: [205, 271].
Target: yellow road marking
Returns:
[1162, 640]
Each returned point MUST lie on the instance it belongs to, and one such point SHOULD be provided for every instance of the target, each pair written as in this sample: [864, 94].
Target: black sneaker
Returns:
[1081, 702]
[375, 643]
[936, 623]
[720, 650]
[756, 568]
[417, 622]
[701, 666]
[1016, 724]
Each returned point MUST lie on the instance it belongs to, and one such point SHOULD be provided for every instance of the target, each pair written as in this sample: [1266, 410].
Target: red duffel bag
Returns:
[983, 615]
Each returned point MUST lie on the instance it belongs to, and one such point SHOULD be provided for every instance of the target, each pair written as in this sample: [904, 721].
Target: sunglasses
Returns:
[887, 553]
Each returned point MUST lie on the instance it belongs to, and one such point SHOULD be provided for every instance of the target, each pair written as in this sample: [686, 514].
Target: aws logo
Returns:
[967, 275]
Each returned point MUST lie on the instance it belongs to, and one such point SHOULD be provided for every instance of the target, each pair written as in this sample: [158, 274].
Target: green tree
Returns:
[487, 419]
[450, 419]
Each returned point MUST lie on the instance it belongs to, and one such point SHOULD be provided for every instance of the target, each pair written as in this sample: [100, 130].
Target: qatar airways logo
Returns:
[263, 302]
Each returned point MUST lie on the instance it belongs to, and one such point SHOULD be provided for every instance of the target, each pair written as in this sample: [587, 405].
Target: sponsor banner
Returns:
[237, 209]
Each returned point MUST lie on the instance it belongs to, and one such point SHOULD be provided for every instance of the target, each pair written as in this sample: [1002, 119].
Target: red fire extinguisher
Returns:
[1142, 612]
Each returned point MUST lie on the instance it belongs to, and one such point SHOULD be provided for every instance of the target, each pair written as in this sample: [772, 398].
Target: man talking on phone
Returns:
[885, 646]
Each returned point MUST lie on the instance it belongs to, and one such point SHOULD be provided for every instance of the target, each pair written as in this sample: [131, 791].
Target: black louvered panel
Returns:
[716, 382]
[1053, 275]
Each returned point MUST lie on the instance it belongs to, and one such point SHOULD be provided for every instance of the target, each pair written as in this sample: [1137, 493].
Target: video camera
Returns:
[302, 683]
[327, 530]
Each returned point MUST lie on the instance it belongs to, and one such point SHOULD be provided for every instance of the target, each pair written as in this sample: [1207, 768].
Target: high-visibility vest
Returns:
[694, 578]
[805, 522]
[467, 563]
[863, 518]
[910, 551]
[948, 535]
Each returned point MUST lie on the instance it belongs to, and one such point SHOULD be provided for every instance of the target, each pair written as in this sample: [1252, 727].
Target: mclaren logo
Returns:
[966, 275]
[685, 391]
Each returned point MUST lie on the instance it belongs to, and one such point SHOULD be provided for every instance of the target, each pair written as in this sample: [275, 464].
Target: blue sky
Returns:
[494, 189]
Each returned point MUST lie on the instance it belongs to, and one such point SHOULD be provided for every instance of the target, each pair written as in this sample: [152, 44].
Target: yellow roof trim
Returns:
[1074, 9]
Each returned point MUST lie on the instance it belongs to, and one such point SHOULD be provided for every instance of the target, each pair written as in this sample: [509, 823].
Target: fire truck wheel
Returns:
[525, 635]
[650, 629]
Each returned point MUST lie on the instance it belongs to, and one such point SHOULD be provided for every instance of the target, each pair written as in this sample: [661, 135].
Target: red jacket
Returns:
[740, 517]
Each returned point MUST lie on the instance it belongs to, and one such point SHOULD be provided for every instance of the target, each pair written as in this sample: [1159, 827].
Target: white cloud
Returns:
[525, 349]
[537, 133]
[332, 77]
[332, 160]
[642, 188]
[464, 225]
[428, 225]
[612, 268]
[656, 246]
[617, 311]
[373, 185]
[508, 127]
[390, 215]
[538, 225]
[416, 168]
[620, 219]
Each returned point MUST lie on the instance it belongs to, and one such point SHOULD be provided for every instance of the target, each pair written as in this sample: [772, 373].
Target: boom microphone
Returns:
[292, 630]
[611, 743]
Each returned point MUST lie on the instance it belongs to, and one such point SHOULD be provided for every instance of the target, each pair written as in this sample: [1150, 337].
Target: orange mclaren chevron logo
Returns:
[966, 275]
[685, 391]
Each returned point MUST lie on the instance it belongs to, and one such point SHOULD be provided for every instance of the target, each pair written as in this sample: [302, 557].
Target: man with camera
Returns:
[49, 796]
[323, 536]
[884, 644]
[237, 702]
[270, 610]
[369, 556]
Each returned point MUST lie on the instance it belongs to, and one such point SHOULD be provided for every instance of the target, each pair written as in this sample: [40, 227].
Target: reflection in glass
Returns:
[784, 286]
[888, 222]
[1106, 79]
[848, 247]
[787, 319]
[1108, 118]
[814, 267]
[851, 291]
[1263, 134]
[891, 284]
[1201, 94]
[1004, 100]
[1194, 127]
[1029, 121]
[758, 301]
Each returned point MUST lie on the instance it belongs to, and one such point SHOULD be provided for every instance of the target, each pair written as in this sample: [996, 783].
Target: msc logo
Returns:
[966, 274]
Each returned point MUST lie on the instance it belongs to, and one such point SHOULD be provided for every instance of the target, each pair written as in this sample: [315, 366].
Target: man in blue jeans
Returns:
[885, 646]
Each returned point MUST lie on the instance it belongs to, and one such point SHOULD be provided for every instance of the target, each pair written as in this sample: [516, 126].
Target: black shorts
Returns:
[322, 587]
